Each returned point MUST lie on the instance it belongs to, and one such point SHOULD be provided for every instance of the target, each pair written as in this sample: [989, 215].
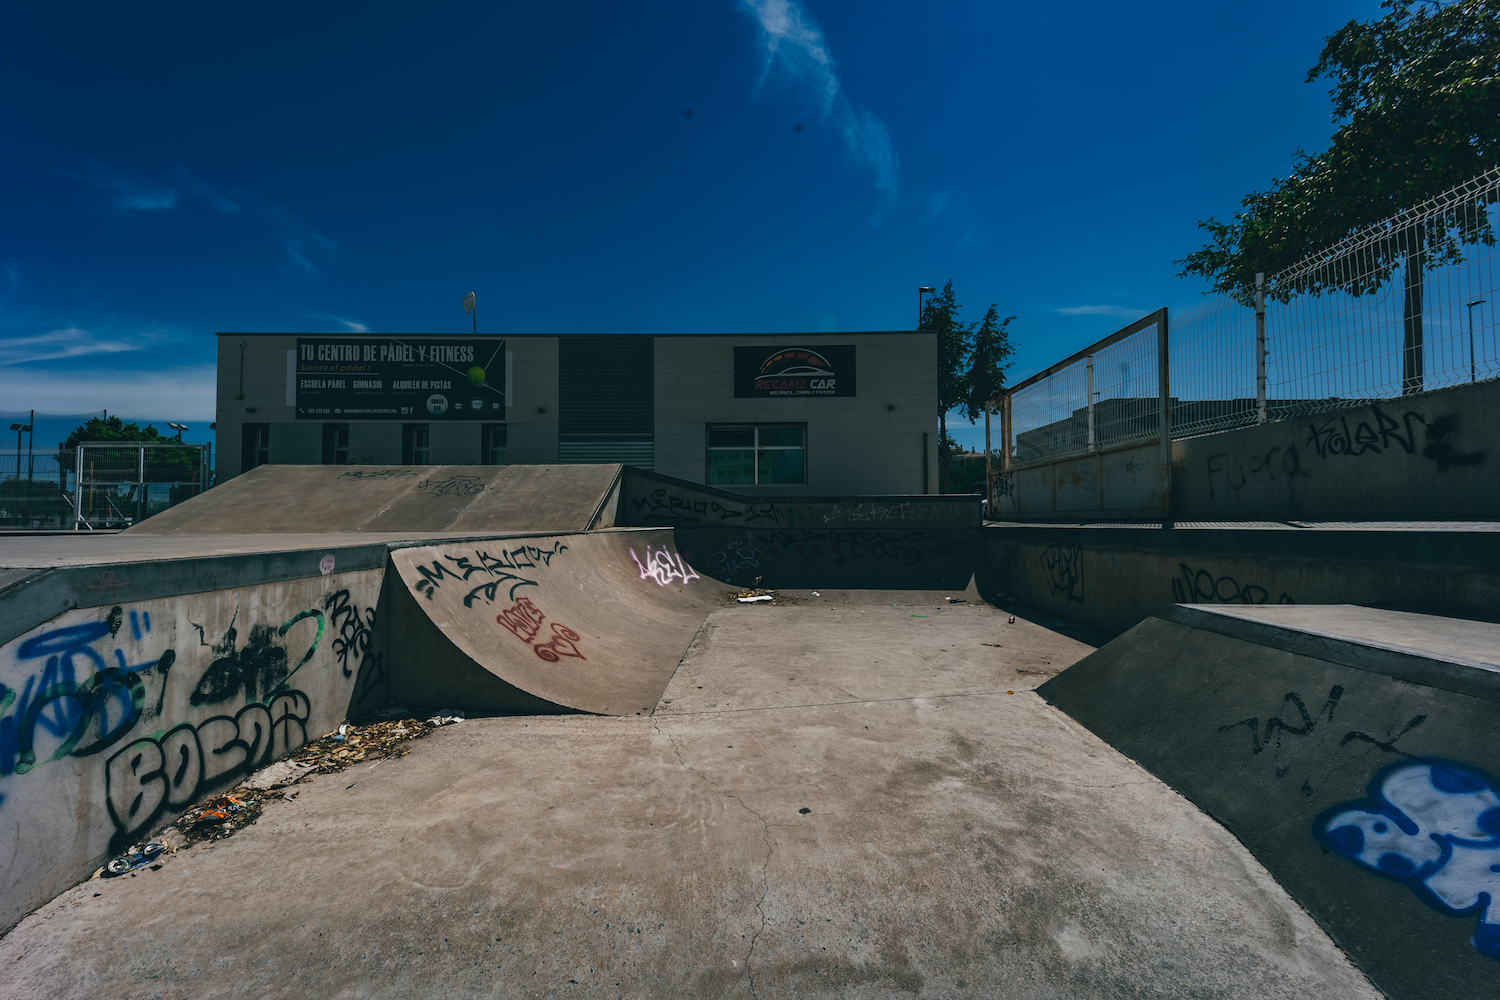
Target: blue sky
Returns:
[168, 170]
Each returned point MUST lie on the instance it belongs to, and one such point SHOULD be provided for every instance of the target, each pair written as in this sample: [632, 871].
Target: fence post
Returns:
[989, 475]
[140, 486]
[1164, 417]
[1260, 347]
[1091, 401]
[78, 485]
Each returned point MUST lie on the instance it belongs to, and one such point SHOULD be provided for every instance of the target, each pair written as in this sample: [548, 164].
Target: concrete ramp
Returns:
[1353, 751]
[463, 499]
[592, 622]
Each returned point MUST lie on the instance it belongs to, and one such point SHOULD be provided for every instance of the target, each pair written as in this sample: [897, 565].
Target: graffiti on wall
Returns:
[665, 507]
[1201, 586]
[98, 689]
[1063, 566]
[1380, 433]
[1276, 463]
[378, 474]
[869, 512]
[453, 486]
[501, 569]
[524, 620]
[1433, 826]
[826, 547]
[663, 566]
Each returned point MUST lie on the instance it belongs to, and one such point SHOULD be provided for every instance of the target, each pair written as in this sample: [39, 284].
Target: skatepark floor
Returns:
[856, 794]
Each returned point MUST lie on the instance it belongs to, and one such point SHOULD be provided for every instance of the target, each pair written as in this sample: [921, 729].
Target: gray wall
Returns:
[1431, 456]
[856, 445]
[867, 444]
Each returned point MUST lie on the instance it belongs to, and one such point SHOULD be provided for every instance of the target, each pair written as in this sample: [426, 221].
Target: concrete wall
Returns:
[1113, 578]
[870, 443]
[1432, 456]
[114, 719]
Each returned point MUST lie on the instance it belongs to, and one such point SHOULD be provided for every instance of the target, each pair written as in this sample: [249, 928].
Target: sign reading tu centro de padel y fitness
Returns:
[390, 378]
[794, 371]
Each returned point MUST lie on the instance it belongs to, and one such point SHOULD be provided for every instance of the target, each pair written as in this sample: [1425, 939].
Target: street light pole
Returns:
[1476, 302]
[19, 429]
[922, 290]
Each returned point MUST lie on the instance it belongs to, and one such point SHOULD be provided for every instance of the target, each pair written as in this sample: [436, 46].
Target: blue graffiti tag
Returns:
[1433, 825]
[105, 705]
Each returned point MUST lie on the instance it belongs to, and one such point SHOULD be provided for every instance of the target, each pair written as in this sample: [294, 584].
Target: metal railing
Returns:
[1402, 306]
[98, 484]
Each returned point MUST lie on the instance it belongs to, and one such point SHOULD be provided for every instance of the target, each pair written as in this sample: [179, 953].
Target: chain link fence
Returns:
[98, 485]
[1402, 306]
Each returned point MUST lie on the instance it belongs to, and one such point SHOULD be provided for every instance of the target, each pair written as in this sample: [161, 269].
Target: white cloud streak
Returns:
[70, 342]
[792, 44]
[1118, 312]
[185, 394]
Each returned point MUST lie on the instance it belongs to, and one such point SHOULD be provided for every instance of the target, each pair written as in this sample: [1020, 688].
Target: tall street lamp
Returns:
[921, 291]
[19, 429]
[1476, 302]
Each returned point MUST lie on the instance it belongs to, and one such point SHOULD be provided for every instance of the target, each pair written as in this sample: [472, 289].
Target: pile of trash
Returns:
[754, 596]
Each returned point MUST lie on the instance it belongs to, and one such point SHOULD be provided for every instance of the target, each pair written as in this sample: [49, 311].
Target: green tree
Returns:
[971, 365]
[1417, 110]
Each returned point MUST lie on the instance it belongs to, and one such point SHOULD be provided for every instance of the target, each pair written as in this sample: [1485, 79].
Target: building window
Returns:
[415, 447]
[492, 448]
[335, 444]
[763, 455]
[255, 446]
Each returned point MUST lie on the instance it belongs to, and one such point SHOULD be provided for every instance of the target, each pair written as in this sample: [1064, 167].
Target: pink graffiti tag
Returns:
[524, 620]
[663, 566]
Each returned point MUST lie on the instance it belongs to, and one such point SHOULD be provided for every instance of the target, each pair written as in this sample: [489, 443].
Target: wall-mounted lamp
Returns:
[541, 409]
[889, 407]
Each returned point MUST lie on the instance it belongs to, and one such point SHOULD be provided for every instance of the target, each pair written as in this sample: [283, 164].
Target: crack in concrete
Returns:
[765, 868]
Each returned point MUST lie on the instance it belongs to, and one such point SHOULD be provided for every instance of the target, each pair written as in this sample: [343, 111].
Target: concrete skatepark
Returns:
[907, 775]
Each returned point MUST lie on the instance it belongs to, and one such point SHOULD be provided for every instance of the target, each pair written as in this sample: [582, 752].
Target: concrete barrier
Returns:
[117, 717]
[1351, 750]
[1112, 578]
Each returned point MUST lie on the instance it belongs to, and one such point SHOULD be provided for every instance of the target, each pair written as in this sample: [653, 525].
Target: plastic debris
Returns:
[1012, 619]
[919, 616]
[137, 857]
[816, 594]
[752, 600]
[446, 717]
[957, 600]
[278, 775]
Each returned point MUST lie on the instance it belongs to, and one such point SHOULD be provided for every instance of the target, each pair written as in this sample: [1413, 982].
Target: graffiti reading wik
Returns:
[453, 486]
[869, 512]
[524, 620]
[663, 566]
[378, 474]
[497, 571]
[1433, 826]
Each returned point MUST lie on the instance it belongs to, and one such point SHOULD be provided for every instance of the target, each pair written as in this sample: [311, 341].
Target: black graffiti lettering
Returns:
[666, 508]
[352, 633]
[454, 486]
[1277, 728]
[1062, 565]
[1389, 743]
[1203, 587]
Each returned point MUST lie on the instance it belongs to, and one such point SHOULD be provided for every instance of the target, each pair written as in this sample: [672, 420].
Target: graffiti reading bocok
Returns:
[1434, 826]
[171, 699]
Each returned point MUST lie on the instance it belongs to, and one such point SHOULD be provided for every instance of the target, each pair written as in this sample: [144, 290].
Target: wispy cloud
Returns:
[1118, 312]
[185, 393]
[70, 342]
[352, 326]
[792, 45]
[131, 194]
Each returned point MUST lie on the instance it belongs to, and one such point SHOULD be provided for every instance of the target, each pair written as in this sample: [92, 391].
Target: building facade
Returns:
[799, 414]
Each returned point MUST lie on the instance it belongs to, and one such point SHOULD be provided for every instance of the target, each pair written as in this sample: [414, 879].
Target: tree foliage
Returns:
[113, 429]
[163, 465]
[971, 363]
[1417, 110]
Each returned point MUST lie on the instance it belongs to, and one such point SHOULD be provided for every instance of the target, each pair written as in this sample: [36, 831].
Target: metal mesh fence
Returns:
[1402, 306]
[121, 484]
[1105, 397]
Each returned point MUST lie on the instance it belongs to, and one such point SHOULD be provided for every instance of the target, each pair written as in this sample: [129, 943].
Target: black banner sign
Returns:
[389, 378]
[765, 372]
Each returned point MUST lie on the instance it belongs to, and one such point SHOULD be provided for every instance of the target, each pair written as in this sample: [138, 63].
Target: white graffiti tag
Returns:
[1434, 825]
[663, 566]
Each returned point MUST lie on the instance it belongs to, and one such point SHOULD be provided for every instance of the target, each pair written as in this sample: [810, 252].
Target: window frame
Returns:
[487, 445]
[410, 448]
[756, 450]
[335, 444]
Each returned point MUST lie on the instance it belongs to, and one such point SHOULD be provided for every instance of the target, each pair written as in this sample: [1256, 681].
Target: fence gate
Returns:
[119, 484]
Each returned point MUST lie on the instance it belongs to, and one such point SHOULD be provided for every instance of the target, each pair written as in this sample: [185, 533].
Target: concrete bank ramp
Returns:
[465, 499]
[593, 622]
[1353, 751]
